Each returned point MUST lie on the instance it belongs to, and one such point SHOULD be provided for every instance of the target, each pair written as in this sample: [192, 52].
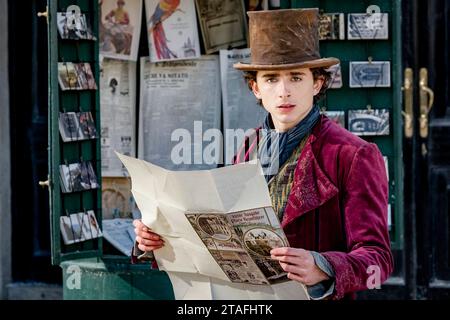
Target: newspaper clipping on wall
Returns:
[180, 103]
[118, 105]
[218, 227]
[241, 110]
[172, 30]
[223, 24]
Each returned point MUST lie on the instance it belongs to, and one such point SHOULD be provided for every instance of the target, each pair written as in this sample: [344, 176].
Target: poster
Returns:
[118, 108]
[180, 114]
[223, 24]
[119, 28]
[172, 30]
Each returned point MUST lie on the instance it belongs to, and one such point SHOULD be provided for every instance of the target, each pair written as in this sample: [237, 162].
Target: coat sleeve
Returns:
[368, 260]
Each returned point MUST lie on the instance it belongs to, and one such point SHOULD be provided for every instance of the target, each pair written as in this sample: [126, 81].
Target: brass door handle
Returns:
[408, 101]
[45, 183]
[426, 102]
[44, 14]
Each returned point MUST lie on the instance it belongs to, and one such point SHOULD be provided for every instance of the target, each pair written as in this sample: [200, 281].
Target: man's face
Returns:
[286, 94]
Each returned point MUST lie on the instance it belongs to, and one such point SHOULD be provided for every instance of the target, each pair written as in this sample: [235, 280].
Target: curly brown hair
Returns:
[318, 73]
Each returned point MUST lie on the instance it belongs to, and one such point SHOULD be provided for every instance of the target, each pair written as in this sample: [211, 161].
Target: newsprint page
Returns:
[240, 242]
[218, 227]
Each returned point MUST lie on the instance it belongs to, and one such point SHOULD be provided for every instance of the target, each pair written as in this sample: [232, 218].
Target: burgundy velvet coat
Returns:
[338, 205]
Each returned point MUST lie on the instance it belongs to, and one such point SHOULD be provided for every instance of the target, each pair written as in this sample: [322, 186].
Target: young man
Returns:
[328, 186]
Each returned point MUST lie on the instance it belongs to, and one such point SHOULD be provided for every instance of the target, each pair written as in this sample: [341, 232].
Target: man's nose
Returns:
[284, 90]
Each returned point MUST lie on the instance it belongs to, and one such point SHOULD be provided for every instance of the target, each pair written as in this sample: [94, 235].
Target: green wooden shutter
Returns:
[347, 98]
[61, 50]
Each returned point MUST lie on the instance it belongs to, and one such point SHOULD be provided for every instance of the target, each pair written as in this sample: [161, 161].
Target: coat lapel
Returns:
[311, 187]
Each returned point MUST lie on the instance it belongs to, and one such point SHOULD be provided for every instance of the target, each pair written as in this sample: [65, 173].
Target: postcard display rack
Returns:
[75, 164]
[365, 96]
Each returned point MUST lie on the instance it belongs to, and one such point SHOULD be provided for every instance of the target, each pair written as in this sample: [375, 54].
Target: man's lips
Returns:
[286, 106]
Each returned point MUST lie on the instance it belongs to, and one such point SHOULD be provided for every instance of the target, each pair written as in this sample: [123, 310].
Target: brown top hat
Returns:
[284, 39]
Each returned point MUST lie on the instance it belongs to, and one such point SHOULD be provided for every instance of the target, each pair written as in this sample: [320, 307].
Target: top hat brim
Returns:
[317, 63]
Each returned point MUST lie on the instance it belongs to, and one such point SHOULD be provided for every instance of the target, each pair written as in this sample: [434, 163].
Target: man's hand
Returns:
[299, 264]
[148, 240]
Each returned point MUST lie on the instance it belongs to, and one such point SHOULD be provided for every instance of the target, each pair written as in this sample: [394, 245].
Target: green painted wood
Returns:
[112, 278]
[76, 151]
[397, 164]
[347, 98]
[284, 4]
[54, 150]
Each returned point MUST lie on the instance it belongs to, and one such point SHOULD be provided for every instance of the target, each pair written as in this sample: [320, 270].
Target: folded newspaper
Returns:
[218, 226]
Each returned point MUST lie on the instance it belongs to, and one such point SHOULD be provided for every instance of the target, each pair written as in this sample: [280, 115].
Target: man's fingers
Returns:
[288, 259]
[288, 251]
[147, 234]
[288, 267]
[282, 251]
[137, 223]
[298, 270]
[140, 226]
[148, 248]
[295, 273]
[149, 242]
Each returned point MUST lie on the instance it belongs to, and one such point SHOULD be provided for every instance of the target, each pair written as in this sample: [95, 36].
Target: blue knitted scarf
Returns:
[276, 147]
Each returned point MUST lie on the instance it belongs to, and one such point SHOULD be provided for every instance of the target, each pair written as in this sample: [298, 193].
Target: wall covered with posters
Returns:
[166, 82]
[202, 39]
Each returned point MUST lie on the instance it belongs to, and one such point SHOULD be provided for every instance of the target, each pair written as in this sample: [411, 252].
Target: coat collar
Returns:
[311, 187]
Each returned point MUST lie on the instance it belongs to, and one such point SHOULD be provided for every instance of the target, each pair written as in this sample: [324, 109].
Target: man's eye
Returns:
[270, 80]
[296, 79]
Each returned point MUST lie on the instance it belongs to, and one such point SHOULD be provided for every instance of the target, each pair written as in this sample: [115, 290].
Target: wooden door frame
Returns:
[5, 158]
